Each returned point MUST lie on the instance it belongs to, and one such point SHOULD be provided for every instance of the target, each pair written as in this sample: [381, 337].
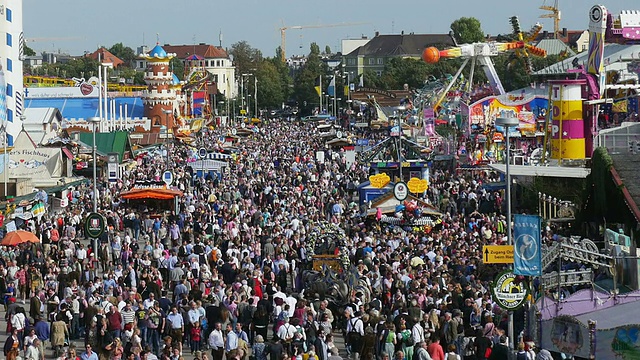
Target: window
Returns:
[9, 90]
[372, 61]
[351, 61]
[9, 115]
[9, 15]
[9, 39]
[218, 63]
[9, 65]
[380, 61]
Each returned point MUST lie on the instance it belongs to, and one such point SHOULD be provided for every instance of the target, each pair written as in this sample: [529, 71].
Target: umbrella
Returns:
[19, 237]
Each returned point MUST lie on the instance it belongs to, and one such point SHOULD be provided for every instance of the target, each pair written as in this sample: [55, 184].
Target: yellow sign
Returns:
[243, 112]
[497, 254]
[380, 180]
[417, 185]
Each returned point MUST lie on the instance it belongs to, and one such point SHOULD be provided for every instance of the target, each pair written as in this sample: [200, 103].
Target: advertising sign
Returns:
[532, 108]
[508, 294]
[94, 225]
[527, 259]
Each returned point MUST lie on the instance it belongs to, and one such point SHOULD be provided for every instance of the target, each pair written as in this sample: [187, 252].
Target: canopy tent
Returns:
[158, 194]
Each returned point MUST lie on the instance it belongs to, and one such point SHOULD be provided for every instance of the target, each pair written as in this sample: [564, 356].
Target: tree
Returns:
[271, 93]
[177, 67]
[28, 51]
[305, 81]
[467, 30]
[327, 50]
[125, 53]
[245, 57]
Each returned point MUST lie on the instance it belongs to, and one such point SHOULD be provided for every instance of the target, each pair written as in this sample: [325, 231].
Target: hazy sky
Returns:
[75, 26]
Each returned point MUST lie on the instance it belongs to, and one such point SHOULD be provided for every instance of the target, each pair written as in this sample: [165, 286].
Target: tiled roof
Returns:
[402, 45]
[206, 51]
[106, 57]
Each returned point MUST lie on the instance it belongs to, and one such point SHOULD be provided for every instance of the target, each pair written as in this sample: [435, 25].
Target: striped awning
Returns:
[395, 221]
[217, 156]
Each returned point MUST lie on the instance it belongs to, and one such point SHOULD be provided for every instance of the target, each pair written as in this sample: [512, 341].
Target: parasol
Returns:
[19, 237]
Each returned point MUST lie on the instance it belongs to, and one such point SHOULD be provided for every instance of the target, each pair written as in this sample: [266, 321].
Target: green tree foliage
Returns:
[245, 57]
[28, 51]
[82, 67]
[271, 92]
[327, 50]
[467, 30]
[177, 67]
[305, 81]
[125, 53]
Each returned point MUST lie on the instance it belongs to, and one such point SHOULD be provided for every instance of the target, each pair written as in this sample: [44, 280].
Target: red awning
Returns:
[67, 152]
[159, 194]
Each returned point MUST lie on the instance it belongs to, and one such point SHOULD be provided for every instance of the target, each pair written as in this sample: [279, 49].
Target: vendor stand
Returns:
[152, 197]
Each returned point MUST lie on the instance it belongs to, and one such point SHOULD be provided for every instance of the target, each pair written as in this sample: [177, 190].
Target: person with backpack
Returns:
[405, 341]
[355, 333]
[451, 354]
[420, 351]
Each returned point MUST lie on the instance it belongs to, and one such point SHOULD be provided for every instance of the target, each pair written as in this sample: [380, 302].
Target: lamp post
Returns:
[166, 133]
[94, 121]
[255, 96]
[242, 79]
[507, 123]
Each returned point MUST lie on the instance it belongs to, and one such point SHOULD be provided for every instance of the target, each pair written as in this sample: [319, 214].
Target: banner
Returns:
[527, 258]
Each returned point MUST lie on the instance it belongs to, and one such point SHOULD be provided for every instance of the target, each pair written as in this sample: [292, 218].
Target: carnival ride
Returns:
[53, 81]
[569, 106]
[481, 53]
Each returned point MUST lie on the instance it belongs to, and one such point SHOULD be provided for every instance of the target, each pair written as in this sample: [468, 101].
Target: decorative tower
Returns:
[160, 97]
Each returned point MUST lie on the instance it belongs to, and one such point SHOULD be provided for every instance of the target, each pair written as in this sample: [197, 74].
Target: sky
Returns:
[76, 26]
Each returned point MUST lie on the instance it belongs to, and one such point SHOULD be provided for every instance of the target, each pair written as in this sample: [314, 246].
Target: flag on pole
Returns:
[527, 258]
[38, 209]
[318, 85]
[331, 90]
[361, 83]
[346, 91]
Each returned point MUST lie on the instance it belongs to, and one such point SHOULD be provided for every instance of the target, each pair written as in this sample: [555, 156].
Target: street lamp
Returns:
[94, 121]
[507, 123]
[166, 133]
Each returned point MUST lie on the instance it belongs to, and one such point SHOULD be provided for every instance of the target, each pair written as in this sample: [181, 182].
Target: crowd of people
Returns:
[225, 274]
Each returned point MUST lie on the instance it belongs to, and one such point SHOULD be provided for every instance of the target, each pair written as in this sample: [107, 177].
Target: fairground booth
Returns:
[152, 197]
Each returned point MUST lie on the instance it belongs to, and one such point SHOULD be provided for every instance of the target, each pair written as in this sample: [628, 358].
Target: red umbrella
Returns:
[19, 237]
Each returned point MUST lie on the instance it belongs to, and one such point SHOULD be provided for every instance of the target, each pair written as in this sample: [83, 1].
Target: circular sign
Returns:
[234, 131]
[400, 191]
[202, 152]
[167, 177]
[243, 125]
[339, 134]
[94, 225]
[508, 293]
[525, 246]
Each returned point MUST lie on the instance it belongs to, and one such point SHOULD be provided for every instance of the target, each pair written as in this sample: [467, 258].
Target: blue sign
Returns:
[362, 142]
[202, 153]
[527, 252]
[167, 177]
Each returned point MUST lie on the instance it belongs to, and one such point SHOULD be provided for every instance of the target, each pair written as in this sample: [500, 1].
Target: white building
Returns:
[11, 53]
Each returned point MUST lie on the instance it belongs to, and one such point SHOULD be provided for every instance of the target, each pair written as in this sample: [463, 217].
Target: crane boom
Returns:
[555, 15]
[283, 33]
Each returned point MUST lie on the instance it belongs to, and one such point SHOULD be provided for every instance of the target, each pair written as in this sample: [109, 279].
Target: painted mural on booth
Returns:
[527, 108]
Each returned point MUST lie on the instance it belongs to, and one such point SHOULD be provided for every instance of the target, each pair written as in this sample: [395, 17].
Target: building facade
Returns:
[11, 53]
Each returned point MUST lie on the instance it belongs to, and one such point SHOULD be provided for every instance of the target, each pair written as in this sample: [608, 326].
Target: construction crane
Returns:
[554, 14]
[42, 39]
[283, 33]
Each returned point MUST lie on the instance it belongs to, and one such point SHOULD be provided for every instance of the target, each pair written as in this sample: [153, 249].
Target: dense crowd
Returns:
[228, 275]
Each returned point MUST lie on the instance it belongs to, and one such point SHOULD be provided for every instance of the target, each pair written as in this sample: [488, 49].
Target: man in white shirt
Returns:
[81, 253]
[216, 342]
